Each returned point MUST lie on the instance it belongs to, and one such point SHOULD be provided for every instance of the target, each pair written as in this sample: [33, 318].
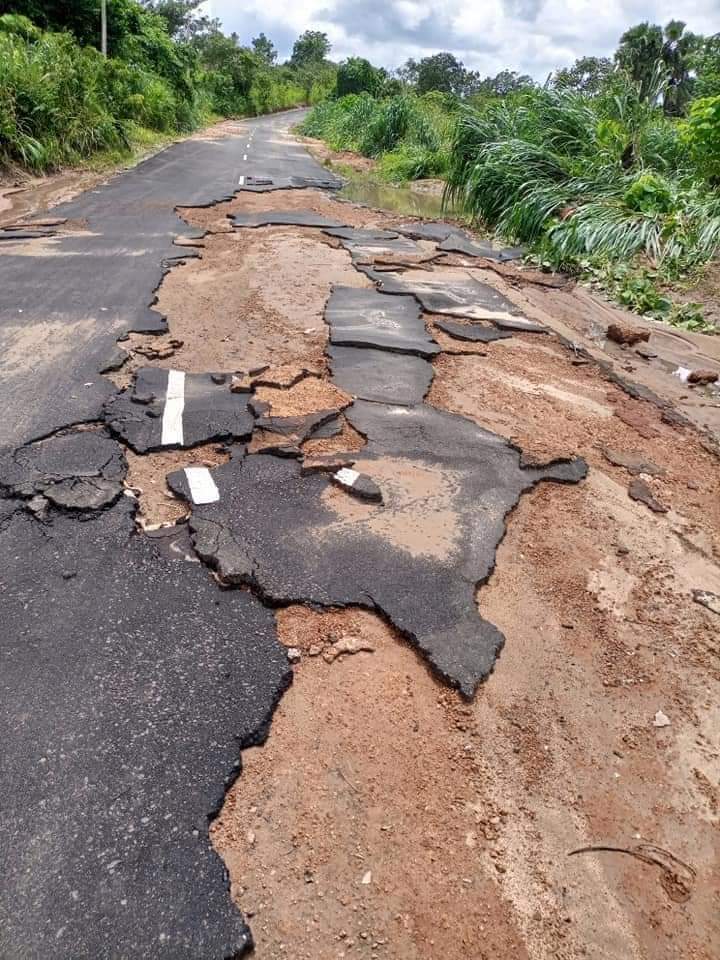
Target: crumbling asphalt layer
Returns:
[379, 375]
[366, 318]
[273, 529]
[76, 470]
[207, 410]
[68, 298]
[129, 682]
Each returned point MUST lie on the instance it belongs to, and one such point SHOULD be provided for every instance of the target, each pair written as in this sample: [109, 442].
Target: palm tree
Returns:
[647, 48]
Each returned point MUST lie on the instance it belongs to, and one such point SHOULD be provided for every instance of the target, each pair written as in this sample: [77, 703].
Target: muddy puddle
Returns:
[395, 199]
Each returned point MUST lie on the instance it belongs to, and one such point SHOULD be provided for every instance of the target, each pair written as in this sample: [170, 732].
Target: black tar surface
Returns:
[366, 318]
[129, 684]
[78, 470]
[381, 376]
[67, 299]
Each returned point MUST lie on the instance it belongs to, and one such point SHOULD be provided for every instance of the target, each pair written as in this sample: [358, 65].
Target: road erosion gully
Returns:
[130, 682]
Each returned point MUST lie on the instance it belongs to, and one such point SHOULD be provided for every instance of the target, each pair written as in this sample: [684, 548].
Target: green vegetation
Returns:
[408, 134]
[611, 170]
[168, 71]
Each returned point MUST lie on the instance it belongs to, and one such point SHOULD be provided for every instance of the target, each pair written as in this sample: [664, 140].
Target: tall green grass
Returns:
[407, 134]
[577, 177]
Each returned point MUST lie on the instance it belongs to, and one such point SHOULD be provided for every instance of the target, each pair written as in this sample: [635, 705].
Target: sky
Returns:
[530, 36]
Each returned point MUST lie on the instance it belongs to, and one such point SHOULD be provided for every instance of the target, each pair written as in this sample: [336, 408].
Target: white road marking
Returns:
[346, 476]
[244, 156]
[202, 486]
[172, 422]
[241, 181]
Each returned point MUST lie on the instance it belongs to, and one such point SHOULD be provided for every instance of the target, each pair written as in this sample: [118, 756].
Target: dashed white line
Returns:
[244, 156]
[172, 422]
[202, 486]
[241, 181]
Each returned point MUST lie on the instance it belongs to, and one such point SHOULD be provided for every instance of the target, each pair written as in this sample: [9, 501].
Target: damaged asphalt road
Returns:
[67, 299]
[131, 680]
[418, 558]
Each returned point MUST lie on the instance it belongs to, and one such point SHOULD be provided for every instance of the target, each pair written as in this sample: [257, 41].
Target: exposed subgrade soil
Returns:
[385, 817]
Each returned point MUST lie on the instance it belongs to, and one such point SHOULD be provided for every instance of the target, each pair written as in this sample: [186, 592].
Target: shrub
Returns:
[701, 133]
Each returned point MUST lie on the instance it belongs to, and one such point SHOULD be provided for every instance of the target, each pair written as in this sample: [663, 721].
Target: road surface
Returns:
[330, 444]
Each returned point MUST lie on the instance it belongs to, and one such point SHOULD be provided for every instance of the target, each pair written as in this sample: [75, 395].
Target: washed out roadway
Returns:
[130, 681]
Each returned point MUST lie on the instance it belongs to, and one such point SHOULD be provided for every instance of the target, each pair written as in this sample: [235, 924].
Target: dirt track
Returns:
[384, 817]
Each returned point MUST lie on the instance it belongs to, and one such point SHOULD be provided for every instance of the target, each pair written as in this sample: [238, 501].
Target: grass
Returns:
[408, 135]
[602, 187]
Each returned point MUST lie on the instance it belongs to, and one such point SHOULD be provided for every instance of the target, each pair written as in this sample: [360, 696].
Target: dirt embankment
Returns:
[384, 817]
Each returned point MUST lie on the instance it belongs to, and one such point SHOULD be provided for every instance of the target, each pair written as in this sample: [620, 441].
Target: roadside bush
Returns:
[701, 133]
[51, 108]
[357, 75]
[405, 133]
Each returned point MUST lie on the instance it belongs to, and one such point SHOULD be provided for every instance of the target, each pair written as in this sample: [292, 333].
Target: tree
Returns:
[638, 53]
[676, 54]
[357, 75]
[264, 48]
[646, 50]
[502, 84]
[310, 47]
[587, 75]
[176, 14]
[408, 72]
[705, 63]
[443, 72]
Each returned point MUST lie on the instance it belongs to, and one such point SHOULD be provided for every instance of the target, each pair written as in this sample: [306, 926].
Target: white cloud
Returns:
[531, 36]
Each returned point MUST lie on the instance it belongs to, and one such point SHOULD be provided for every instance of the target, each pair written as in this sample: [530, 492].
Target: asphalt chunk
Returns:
[366, 318]
[474, 332]
[282, 218]
[169, 408]
[460, 297]
[377, 375]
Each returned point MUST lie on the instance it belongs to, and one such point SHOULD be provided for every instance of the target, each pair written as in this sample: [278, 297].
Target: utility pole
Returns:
[103, 27]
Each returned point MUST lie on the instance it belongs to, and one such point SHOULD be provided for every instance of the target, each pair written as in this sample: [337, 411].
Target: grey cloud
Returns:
[380, 21]
[523, 9]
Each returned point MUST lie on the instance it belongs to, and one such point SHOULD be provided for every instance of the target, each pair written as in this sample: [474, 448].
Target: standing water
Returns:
[403, 199]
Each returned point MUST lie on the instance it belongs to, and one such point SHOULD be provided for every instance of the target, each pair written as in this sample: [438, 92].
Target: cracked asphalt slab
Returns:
[77, 470]
[366, 318]
[170, 408]
[129, 685]
[418, 557]
[473, 332]
[378, 375]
